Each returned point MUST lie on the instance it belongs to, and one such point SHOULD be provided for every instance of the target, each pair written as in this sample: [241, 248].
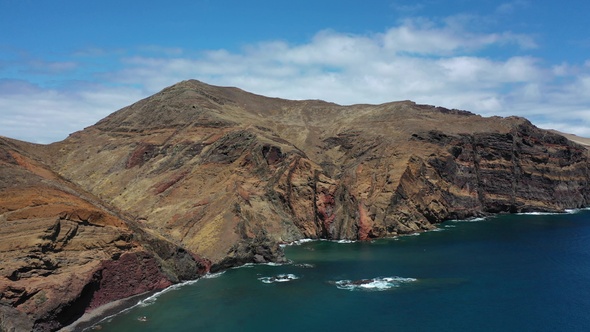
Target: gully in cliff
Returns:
[201, 178]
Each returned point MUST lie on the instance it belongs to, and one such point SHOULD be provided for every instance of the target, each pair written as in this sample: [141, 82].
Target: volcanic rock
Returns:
[63, 251]
[216, 172]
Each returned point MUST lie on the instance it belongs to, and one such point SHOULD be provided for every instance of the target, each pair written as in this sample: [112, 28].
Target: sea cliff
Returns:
[200, 178]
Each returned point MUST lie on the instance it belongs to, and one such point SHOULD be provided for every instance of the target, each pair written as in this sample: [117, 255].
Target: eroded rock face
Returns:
[199, 178]
[217, 169]
[63, 252]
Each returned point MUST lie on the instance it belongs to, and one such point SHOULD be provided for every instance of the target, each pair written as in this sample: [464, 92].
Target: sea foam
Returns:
[566, 211]
[539, 213]
[302, 241]
[278, 278]
[473, 219]
[375, 284]
[296, 242]
[213, 275]
[152, 298]
[573, 211]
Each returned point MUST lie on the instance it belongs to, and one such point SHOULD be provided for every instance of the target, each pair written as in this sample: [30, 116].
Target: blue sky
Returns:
[64, 65]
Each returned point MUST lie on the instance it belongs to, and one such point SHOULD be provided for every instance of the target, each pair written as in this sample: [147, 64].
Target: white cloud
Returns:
[511, 7]
[403, 8]
[41, 115]
[421, 60]
[50, 67]
[422, 36]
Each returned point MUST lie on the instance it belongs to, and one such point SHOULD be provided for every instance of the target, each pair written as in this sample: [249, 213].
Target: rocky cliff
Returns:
[63, 251]
[219, 173]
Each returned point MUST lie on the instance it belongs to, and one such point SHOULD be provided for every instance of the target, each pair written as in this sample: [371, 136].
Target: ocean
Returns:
[504, 273]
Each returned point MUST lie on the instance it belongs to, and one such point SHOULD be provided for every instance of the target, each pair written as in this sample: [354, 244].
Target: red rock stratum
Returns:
[199, 177]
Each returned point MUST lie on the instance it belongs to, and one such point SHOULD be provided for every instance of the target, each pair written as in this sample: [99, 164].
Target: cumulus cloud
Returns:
[439, 63]
[421, 36]
[42, 115]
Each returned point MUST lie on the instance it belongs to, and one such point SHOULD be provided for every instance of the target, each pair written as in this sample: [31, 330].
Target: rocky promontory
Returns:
[199, 178]
[64, 252]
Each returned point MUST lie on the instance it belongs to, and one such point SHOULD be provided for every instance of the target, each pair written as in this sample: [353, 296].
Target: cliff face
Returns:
[218, 168]
[219, 173]
[64, 252]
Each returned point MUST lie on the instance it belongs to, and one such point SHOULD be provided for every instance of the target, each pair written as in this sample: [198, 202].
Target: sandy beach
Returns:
[93, 317]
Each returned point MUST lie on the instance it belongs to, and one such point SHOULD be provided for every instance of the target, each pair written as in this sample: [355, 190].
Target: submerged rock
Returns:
[376, 284]
[278, 278]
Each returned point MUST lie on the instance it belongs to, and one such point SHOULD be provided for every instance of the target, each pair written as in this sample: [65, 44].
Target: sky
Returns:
[64, 65]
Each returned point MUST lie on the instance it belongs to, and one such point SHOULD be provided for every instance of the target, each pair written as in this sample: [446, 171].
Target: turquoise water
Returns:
[507, 273]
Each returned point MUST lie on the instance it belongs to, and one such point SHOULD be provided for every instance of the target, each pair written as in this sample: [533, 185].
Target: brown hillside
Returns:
[220, 169]
[215, 172]
[63, 251]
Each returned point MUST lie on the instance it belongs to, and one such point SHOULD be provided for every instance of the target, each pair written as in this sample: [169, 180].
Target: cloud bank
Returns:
[439, 63]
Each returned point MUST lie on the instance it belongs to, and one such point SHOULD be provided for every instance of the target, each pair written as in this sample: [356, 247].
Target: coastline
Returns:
[96, 315]
[236, 301]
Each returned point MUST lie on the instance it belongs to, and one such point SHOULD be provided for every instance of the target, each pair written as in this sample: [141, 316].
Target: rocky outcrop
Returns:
[199, 178]
[63, 252]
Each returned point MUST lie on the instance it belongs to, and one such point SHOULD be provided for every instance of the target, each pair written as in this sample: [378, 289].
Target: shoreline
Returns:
[95, 316]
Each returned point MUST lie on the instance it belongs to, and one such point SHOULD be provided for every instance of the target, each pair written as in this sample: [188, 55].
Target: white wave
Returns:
[302, 241]
[152, 298]
[213, 275]
[278, 278]
[296, 242]
[276, 264]
[345, 241]
[572, 211]
[538, 213]
[375, 284]
[251, 265]
[566, 211]
[474, 219]
[305, 265]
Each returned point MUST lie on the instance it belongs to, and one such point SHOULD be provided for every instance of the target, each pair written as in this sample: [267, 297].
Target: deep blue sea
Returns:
[504, 273]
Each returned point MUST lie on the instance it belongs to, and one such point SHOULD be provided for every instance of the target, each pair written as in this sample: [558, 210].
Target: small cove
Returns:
[509, 273]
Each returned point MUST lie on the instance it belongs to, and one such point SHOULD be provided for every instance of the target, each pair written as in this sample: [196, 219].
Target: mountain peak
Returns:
[199, 177]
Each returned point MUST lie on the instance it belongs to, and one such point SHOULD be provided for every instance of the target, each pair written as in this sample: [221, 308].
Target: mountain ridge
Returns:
[200, 178]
